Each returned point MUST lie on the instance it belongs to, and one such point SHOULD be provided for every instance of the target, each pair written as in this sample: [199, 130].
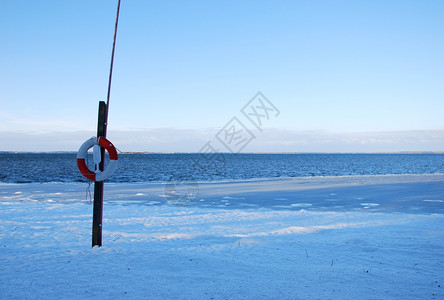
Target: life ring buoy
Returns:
[83, 152]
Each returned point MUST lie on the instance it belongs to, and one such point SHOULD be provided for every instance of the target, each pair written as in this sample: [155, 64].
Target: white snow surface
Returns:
[355, 237]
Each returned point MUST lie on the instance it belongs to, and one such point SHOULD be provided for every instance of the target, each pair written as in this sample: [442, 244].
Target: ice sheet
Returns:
[352, 237]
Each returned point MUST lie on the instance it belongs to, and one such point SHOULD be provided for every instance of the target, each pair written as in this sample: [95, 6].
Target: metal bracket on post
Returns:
[98, 185]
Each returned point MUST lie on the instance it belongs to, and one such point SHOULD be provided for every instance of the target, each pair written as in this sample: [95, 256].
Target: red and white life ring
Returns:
[83, 152]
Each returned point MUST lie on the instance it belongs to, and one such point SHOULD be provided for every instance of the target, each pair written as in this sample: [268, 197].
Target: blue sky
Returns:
[346, 76]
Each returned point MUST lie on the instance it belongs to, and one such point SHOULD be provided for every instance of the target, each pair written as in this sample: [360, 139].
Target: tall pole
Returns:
[102, 125]
[111, 66]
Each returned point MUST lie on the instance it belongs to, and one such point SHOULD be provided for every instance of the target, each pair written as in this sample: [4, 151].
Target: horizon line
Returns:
[258, 152]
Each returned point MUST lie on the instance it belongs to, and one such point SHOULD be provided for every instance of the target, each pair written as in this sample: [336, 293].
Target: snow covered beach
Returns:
[345, 237]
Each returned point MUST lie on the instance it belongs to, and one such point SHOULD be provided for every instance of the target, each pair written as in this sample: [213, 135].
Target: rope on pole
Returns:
[111, 66]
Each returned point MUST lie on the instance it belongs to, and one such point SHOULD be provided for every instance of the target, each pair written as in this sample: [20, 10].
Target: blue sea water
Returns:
[62, 167]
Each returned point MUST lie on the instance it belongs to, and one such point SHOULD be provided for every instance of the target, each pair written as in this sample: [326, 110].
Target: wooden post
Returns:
[98, 185]
[101, 132]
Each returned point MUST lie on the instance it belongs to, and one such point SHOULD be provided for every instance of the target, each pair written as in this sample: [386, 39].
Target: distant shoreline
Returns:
[167, 153]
